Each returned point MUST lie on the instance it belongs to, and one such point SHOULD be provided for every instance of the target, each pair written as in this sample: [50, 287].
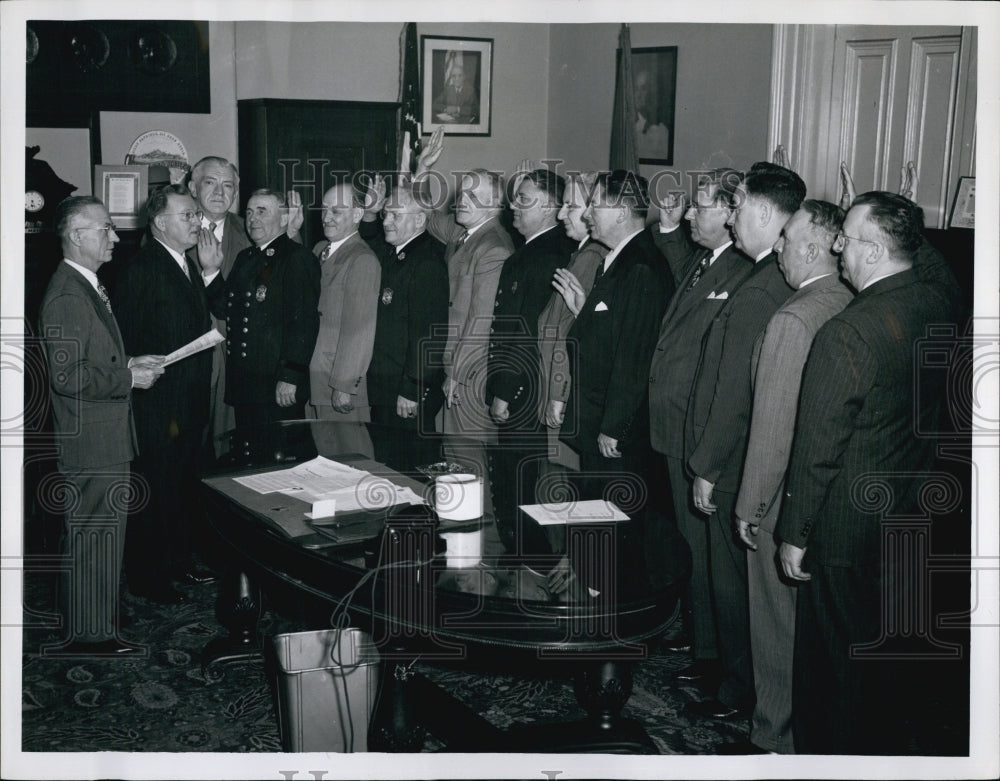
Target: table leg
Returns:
[394, 726]
[241, 609]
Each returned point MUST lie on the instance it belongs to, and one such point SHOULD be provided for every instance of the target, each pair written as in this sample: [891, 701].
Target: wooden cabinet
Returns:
[309, 145]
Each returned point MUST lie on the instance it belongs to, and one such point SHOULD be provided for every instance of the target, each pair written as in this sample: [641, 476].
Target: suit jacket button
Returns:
[652, 380]
[245, 329]
[243, 355]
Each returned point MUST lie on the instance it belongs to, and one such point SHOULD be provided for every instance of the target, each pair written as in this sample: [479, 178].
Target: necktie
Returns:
[702, 265]
[462, 239]
[327, 252]
[102, 293]
[211, 228]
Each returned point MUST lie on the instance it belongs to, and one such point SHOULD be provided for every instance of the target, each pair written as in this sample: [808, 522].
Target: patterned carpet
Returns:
[163, 703]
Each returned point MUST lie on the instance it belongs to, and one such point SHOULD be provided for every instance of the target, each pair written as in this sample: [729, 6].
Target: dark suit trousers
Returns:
[728, 569]
[93, 541]
[847, 701]
[515, 464]
[161, 529]
[403, 443]
[693, 526]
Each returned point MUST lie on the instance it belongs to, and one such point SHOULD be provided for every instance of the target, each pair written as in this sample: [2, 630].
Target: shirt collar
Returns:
[535, 235]
[219, 225]
[269, 243]
[763, 255]
[333, 246]
[89, 275]
[408, 242]
[178, 257]
[718, 251]
[470, 231]
[814, 279]
[618, 248]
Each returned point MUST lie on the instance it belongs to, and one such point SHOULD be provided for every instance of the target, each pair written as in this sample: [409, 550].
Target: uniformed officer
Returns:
[513, 385]
[269, 302]
[407, 368]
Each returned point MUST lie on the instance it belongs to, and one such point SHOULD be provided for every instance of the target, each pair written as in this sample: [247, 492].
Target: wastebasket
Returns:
[327, 684]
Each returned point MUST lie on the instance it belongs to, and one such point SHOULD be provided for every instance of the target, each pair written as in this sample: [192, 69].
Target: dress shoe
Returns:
[676, 645]
[714, 709]
[740, 747]
[110, 648]
[197, 576]
[699, 670]
[161, 595]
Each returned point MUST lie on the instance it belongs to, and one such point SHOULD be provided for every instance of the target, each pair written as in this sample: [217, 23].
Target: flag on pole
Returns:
[624, 153]
[409, 99]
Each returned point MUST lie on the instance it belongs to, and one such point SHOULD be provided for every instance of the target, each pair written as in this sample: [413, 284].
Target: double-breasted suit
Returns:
[717, 426]
[778, 360]
[861, 457]
[524, 288]
[349, 285]
[90, 388]
[159, 309]
[700, 296]
[270, 305]
[412, 306]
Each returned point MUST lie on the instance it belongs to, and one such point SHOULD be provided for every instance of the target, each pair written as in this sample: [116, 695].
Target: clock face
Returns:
[33, 201]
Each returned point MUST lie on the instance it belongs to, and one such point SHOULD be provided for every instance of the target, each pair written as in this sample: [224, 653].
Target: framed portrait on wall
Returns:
[123, 189]
[456, 85]
[654, 80]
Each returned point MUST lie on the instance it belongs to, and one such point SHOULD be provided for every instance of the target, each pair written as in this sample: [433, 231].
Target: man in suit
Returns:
[91, 378]
[160, 303]
[709, 271]
[458, 101]
[863, 400]
[349, 285]
[270, 305]
[214, 184]
[557, 318]
[614, 335]
[718, 419]
[406, 373]
[807, 261]
[513, 385]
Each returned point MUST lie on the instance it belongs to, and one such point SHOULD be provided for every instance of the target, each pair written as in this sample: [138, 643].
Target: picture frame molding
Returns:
[672, 52]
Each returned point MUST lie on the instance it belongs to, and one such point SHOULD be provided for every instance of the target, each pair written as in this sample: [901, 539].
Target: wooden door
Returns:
[309, 145]
[877, 98]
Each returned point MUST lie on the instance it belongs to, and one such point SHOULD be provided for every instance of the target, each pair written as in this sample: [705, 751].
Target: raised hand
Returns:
[296, 214]
[210, 255]
[375, 194]
[431, 152]
[672, 210]
[847, 194]
[569, 287]
[908, 181]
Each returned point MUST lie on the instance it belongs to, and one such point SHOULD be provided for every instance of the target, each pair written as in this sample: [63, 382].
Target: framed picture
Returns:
[123, 189]
[654, 79]
[456, 85]
[964, 213]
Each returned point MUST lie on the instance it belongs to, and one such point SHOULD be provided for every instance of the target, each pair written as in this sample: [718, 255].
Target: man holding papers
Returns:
[160, 305]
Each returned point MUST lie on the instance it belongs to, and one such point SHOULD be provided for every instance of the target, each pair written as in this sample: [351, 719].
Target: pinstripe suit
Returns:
[779, 357]
[90, 387]
[675, 363]
[860, 392]
[717, 425]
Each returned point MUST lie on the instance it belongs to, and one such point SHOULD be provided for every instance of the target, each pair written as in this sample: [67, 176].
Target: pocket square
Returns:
[718, 296]
[601, 307]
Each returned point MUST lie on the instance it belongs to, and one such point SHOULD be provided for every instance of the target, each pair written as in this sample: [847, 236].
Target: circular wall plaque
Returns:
[158, 147]
[152, 51]
[88, 47]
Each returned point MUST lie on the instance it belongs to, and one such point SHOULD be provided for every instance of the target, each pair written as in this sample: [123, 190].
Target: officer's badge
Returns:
[401, 256]
[261, 293]
[513, 288]
[270, 252]
[387, 296]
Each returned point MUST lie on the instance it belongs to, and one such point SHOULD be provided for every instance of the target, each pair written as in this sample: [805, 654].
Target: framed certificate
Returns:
[123, 189]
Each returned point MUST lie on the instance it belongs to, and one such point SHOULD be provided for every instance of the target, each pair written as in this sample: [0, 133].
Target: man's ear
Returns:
[764, 212]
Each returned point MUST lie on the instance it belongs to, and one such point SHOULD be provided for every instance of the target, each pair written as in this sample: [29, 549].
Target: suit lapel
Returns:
[76, 278]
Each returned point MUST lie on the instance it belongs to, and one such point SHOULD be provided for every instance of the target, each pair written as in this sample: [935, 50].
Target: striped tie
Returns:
[102, 292]
[702, 265]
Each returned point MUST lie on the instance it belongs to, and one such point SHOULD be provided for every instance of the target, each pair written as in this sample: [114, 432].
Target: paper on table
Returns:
[565, 513]
[203, 342]
[369, 493]
[317, 477]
